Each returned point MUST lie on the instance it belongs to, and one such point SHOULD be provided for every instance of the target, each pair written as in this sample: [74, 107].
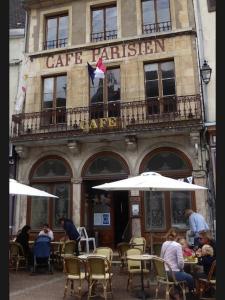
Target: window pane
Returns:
[163, 12]
[61, 91]
[152, 89]
[61, 204]
[51, 30]
[154, 210]
[168, 87]
[167, 69]
[105, 165]
[166, 161]
[148, 12]
[48, 93]
[39, 208]
[179, 202]
[151, 71]
[63, 27]
[51, 168]
[113, 84]
[97, 21]
[96, 91]
[111, 18]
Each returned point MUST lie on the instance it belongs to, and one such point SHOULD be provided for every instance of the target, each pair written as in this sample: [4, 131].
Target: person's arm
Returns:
[180, 258]
[192, 224]
[51, 235]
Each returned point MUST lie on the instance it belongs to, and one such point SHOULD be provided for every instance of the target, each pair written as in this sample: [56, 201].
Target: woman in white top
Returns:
[172, 253]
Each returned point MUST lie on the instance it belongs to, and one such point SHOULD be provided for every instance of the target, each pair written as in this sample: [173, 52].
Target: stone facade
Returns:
[130, 51]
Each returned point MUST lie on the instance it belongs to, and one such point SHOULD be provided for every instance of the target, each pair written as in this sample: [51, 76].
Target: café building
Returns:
[144, 115]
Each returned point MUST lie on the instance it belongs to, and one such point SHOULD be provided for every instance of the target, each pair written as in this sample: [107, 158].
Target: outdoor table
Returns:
[141, 257]
[191, 263]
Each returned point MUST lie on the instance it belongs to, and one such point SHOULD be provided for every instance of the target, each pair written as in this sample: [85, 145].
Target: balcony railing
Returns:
[60, 43]
[157, 27]
[106, 35]
[120, 116]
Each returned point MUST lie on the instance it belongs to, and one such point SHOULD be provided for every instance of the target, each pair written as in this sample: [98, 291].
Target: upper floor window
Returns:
[104, 23]
[211, 5]
[160, 87]
[105, 95]
[54, 100]
[156, 16]
[56, 32]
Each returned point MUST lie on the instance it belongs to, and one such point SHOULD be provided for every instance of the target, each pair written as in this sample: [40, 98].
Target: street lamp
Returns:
[206, 72]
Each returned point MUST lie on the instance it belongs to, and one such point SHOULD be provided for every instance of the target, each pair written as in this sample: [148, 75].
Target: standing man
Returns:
[47, 231]
[197, 223]
[71, 231]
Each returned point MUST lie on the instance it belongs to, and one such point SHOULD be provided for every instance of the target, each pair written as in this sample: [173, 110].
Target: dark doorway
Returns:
[121, 214]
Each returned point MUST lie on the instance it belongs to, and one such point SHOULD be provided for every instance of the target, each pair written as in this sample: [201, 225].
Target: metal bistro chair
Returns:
[134, 267]
[122, 249]
[138, 243]
[99, 273]
[74, 269]
[84, 238]
[163, 279]
[16, 254]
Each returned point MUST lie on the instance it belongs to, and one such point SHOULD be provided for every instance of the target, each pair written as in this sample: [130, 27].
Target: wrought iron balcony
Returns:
[157, 27]
[106, 35]
[119, 116]
[60, 43]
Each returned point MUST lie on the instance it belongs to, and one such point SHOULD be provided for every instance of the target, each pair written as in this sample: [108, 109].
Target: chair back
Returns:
[122, 248]
[138, 243]
[73, 265]
[212, 271]
[16, 249]
[133, 264]
[97, 265]
[106, 251]
[160, 270]
[69, 247]
[83, 232]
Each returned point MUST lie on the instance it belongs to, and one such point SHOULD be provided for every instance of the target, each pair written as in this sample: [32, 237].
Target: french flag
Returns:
[99, 72]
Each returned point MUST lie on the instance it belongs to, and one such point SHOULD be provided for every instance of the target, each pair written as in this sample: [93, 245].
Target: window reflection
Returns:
[179, 202]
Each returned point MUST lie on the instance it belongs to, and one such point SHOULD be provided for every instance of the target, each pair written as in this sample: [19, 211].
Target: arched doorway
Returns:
[104, 214]
[51, 174]
[164, 210]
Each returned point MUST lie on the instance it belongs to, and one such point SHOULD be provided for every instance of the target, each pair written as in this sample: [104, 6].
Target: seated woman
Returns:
[205, 238]
[185, 248]
[172, 253]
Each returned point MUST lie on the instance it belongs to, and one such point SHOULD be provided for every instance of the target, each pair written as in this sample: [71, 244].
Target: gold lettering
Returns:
[103, 122]
[112, 121]
[93, 124]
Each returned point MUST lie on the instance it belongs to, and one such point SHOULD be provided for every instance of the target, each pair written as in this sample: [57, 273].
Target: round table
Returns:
[141, 257]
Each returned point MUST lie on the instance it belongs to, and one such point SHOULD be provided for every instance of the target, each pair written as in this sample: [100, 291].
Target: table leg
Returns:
[142, 294]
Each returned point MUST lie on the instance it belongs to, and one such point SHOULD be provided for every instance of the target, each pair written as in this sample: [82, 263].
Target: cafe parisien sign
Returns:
[124, 50]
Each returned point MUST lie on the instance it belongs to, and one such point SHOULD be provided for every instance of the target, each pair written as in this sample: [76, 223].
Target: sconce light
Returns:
[205, 72]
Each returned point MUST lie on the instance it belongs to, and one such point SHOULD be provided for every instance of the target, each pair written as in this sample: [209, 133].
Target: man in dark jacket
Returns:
[71, 231]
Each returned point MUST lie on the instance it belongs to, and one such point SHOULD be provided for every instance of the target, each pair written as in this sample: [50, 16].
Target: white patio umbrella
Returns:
[149, 181]
[16, 188]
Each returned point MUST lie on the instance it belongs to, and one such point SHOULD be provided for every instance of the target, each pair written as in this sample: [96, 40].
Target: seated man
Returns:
[47, 231]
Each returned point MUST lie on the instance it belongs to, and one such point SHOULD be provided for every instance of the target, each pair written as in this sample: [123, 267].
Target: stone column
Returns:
[76, 202]
[135, 221]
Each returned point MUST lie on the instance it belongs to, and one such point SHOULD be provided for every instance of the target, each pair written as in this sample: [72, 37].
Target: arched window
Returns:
[52, 175]
[164, 210]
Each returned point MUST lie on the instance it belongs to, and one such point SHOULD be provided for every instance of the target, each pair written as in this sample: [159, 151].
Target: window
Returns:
[104, 23]
[211, 5]
[160, 87]
[105, 95]
[52, 176]
[54, 100]
[164, 210]
[156, 16]
[56, 32]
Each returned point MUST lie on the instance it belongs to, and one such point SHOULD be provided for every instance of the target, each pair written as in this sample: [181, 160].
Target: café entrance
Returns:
[104, 214]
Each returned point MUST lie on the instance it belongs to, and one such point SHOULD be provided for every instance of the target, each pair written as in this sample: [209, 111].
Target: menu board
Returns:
[101, 219]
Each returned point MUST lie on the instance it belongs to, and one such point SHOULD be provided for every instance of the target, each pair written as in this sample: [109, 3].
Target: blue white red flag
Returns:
[98, 72]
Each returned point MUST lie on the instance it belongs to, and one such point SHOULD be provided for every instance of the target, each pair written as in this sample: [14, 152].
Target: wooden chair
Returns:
[16, 255]
[74, 269]
[84, 238]
[138, 243]
[163, 279]
[134, 267]
[204, 284]
[99, 273]
[122, 249]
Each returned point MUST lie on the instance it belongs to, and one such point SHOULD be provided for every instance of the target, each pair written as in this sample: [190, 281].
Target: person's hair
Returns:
[181, 240]
[172, 235]
[61, 219]
[188, 212]
[45, 225]
[25, 228]
[206, 235]
[208, 249]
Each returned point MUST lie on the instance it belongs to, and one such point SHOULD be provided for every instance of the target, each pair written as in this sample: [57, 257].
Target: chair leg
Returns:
[167, 293]
[80, 289]
[156, 290]
[87, 246]
[65, 289]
